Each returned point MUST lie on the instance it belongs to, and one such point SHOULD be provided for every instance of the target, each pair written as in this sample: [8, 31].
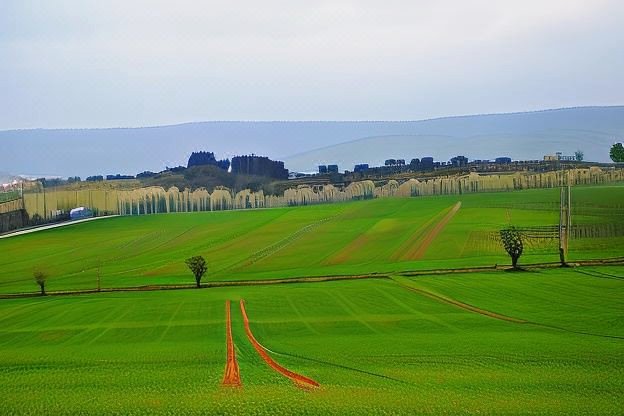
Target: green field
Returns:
[352, 238]
[373, 345]
[547, 341]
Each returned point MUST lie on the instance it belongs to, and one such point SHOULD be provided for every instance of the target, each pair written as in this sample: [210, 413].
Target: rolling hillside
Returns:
[303, 145]
[522, 136]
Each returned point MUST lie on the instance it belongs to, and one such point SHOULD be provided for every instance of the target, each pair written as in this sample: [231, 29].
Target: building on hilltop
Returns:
[426, 163]
[559, 157]
[362, 167]
[207, 159]
[258, 165]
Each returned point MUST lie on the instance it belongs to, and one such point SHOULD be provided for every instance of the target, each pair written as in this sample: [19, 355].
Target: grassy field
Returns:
[373, 345]
[547, 341]
[384, 235]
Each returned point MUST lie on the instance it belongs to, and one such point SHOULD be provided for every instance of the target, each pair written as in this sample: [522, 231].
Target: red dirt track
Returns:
[300, 381]
[231, 377]
[428, 239]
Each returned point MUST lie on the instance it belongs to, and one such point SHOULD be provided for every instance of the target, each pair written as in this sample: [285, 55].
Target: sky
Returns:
[87, 63]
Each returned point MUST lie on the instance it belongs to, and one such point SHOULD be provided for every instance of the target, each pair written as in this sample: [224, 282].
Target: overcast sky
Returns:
[88, 63]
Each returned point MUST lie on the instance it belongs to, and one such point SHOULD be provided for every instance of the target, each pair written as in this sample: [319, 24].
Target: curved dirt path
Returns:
[433, 233]
[231, 377]
[300, 381]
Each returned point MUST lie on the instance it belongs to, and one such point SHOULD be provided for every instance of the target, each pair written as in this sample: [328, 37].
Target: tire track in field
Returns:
[366, 236]
[602, 275]
[119, 318]
[301, 381]
[428, 317]
[277, 246]
[461, 305]
[495, 315]
[347, 305]
[418, 243]
[341, 366]
[170, 321]
[293, 305]
[435, 231]
[231, 376]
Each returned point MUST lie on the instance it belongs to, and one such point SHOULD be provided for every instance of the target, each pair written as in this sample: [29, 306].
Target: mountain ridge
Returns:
[186, 123]
[305, 144]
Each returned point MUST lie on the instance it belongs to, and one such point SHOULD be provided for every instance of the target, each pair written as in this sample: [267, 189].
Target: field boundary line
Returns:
[298, 379]
[231, 375]
[617, 261]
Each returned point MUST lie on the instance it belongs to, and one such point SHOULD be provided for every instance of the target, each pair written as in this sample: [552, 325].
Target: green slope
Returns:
[350, 238]
[374, 346]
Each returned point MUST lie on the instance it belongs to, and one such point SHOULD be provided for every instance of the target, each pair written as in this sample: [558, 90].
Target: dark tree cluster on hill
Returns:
[118, 177]
[146, 174]
[617, 153]
[259, 166]
[207, 158]
[95, 178]
[47, 183]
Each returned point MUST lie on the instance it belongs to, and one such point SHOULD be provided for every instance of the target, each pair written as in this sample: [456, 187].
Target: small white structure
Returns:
[80, 212]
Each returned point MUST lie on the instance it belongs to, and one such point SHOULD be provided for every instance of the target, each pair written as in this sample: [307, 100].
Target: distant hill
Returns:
[523, 136]
[304, 145]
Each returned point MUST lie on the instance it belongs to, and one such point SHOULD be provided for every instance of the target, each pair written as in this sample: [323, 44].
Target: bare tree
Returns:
[512, 242]
[40, 278]
[198, 266]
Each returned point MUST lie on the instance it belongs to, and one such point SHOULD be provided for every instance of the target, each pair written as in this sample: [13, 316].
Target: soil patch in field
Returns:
[231, 377]
[298, 379]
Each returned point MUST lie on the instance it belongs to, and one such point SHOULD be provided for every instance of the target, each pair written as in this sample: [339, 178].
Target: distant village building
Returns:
[559, 157]
[322, 169]
[207, 159]
[362, 167]
[332, 168]
[459, 161]
[426, 163]
[502, 160]
[258, 165]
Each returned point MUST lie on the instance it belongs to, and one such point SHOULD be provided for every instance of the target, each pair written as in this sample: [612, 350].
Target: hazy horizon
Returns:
[304, 145]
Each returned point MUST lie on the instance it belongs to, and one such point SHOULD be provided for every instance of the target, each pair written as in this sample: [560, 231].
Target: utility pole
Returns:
[565, 220]
[45, 208]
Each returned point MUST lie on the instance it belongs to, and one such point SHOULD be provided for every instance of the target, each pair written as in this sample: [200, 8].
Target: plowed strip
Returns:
[300, 381]
[231, 378]
[437, 229]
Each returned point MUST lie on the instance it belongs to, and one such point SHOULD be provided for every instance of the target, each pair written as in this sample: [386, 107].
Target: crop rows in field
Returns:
[384, 236]
[372, 345]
